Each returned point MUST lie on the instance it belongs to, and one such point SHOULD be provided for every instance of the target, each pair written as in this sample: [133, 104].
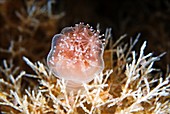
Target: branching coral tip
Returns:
[76, 55]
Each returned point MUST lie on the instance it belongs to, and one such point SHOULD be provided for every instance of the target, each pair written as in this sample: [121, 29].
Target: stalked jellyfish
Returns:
[76, 55]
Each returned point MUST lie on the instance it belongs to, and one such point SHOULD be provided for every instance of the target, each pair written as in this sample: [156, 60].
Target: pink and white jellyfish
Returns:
[76, 55]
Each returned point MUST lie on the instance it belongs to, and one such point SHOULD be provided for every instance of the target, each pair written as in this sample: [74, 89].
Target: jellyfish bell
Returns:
[76, 55]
